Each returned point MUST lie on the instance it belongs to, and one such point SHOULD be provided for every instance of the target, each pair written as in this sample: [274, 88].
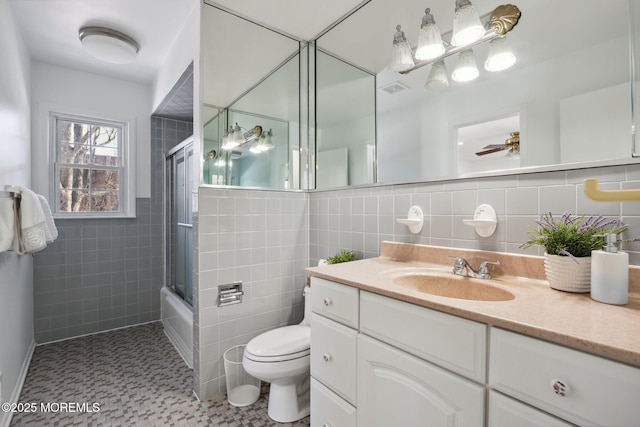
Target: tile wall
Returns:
[261, 239]
[102, 274]
[359, 219]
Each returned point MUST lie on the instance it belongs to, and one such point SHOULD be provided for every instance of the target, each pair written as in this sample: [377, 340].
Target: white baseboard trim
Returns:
[5, 417]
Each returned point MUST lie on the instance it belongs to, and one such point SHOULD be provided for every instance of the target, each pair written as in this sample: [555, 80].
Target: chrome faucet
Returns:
[461, 265]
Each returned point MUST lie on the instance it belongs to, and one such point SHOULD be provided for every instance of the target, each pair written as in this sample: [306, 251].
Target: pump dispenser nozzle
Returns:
[610, 243]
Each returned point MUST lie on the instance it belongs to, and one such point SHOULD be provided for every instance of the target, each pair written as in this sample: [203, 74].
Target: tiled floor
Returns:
[135, 376]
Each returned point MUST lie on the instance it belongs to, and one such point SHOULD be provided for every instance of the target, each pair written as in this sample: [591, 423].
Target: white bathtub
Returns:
[177, 318]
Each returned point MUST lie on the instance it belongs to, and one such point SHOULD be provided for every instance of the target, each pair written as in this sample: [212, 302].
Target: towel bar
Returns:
[592, 192]
[10, 194]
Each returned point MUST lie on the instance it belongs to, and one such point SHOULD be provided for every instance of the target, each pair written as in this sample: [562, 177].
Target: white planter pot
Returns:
[565, 274]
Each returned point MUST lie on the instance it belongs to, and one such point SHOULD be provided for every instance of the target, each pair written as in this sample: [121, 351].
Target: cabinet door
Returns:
[333, 356]
[328, 409]
[506, 412]
[397, 389]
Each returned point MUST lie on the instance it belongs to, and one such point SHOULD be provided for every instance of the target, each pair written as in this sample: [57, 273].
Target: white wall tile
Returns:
[522, 201]
[558, 199]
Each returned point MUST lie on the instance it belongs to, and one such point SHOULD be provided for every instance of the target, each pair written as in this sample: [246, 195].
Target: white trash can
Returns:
[242, 388]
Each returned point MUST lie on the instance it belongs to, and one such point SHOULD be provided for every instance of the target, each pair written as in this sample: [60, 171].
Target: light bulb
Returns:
[437, 77]
[466, 68]
[430, 41]
[402, 57]
[467, 27]
[500, 55]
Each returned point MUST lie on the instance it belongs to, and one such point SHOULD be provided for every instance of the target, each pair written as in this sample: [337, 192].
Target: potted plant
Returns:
[342, 256]
[568, 242]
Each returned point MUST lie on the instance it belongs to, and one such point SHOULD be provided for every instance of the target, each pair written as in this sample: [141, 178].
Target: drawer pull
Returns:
[327, 301]
[326, 357]
[560, 387]
[326, 425]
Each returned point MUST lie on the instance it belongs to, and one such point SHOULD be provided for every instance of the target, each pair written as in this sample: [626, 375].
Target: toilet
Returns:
[281, 357]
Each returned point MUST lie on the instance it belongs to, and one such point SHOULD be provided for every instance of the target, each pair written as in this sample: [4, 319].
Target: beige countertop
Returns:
[573, 320]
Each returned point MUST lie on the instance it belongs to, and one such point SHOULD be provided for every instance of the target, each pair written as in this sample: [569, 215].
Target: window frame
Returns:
[126, 205]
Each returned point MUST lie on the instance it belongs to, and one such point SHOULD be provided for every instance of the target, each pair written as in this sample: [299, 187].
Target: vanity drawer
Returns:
[507, 412]
[598, 392]
[329, 410]
[333, 356]
[451, 342]
[335, 301]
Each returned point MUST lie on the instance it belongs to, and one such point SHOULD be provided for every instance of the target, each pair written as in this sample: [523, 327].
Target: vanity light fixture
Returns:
[402, 56]
[238, 136]
[466, 69]
[268, 142]
[437, 76]
[468, 30]
[226, 144]
[430, 43]
[108, 44]
[500, 55]
[255, 148]
[467, 27]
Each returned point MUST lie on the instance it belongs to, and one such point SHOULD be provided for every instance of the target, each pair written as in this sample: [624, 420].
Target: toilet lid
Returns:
[287, 340]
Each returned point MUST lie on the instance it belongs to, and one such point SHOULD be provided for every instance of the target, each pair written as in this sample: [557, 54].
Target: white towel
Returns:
[7, 222]
[32, 222]
[51, 231]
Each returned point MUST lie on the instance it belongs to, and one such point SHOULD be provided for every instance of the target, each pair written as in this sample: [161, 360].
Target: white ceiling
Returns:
[303, 19]
[50, 30]
[50, 27]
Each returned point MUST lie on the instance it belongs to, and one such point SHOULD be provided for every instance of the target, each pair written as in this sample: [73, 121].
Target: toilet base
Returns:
[289, 402]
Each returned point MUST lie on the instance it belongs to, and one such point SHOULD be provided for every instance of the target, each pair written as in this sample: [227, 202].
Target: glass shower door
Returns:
[179, 220]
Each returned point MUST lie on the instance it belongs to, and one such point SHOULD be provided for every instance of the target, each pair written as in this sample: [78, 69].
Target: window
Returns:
[89, 166]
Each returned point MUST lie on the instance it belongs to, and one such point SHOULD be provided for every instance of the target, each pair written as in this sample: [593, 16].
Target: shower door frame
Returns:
[170, 214]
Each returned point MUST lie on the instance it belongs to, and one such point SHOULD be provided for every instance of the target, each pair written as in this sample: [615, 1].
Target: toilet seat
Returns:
[281, 344]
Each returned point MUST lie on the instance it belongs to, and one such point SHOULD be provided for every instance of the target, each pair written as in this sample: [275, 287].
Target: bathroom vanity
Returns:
[385, 354]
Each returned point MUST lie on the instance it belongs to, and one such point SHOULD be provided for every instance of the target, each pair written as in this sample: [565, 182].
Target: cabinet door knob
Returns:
[559, 387]
[326, 357]
[327, 301]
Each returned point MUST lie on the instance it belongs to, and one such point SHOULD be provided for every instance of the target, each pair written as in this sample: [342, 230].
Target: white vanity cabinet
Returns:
[334, 324]
[581, 388]
[378, 361]
[397, 385]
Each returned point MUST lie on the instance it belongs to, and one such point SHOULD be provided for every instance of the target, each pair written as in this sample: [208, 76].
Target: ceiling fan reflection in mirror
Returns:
[511, 144]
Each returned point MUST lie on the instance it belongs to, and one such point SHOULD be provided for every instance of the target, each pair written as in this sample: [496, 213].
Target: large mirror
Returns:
[566, 100]
[345, 123]
[251, 97]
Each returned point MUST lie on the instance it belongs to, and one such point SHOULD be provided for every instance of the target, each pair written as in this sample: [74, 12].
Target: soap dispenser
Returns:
[610, 273]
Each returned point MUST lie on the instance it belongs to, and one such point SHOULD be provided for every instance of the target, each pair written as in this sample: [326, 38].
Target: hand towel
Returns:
[32, 221]
[51, 231]
[7, 221]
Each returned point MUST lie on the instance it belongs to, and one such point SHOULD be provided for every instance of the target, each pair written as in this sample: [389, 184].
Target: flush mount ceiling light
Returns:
[108, 45]
[468, 30]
